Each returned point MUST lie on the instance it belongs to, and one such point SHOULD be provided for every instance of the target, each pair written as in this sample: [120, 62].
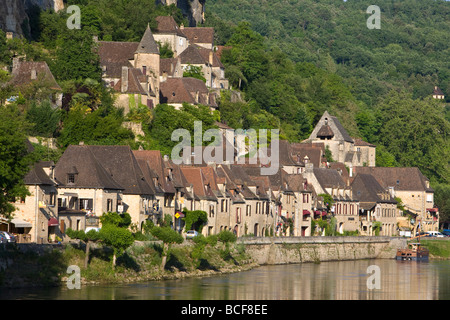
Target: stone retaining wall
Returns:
[318, 249]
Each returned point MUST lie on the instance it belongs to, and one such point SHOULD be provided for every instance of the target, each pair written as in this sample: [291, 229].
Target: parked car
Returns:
[434, 234]
[3, 238]
[191, 234]
[9, 237]
[446, 233]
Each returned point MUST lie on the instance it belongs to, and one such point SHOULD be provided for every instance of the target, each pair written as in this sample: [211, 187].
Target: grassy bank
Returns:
[140, 262]
[439, 249]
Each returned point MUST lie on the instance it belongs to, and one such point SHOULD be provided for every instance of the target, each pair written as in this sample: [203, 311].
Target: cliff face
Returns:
[192, 9]
[13, 13]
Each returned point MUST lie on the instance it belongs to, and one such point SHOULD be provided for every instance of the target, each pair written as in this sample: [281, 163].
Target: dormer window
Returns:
[71, 178]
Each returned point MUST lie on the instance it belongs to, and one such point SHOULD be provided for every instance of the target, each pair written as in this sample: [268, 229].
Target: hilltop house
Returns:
[438, 94]
[132, 69]
[344, 148]
[37, 74]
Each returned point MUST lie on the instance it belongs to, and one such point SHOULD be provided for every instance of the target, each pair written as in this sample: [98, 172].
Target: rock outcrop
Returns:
[14, 17]
[192, 9]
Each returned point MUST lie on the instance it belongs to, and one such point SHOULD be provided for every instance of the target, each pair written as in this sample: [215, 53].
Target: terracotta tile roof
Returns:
[89, 171]
[329, 178]
[179, 90]
[168, 25]
[28, 71]
[314, 152]
[437, 91]
[157, 165]
[367, 191]
[192, 55]
[361, 143]
[199, 34]
[115, 55]
[168, 66]
[37, 175]
[406, 179]
[135, 78]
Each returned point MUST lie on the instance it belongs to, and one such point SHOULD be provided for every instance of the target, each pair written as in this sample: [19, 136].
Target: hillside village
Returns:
[329, 177]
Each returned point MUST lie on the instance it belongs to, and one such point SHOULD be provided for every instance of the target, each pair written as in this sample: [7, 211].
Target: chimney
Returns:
[33, 74]
[164, 76]
[351, 171]
[81, 143]
[16, 63]
[182, 26]
[211, 57]
[309, 167]
[9, 35]
[124, 87]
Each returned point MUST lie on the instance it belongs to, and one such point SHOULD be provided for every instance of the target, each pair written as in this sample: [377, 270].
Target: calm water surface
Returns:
[400, 280]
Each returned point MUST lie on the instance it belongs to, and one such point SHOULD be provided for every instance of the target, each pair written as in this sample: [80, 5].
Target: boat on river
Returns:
[414, 252]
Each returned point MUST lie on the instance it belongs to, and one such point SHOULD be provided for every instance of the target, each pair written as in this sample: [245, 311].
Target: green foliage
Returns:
[194, 72]
[327, 200]
[116, 237]
[195, 220]
[15, 159]
[45, 119]
[167, 235]
[226, 236]
[442, 200]
[121, 220]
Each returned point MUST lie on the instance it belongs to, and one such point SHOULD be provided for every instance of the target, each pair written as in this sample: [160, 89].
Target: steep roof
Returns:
[37, 175]
[114, 55]
[330, 126]
[121, 164]
[199, 34]
[148, 43]
[329, 178]
[437, 91]
[25, 72]
[135, 77]
[367, 191]
[89, 171]
[405, 179]
[168, 25]
[179, 90]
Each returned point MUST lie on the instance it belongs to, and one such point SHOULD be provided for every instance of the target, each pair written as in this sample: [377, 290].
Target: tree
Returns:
[116, 237]
[15, 158]
[194, 72]
[168, 236]
[121, 220]
[87, 237]
[76, 56]
[44, 119]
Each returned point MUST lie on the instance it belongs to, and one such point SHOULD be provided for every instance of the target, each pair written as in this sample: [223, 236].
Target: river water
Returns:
[349, 280]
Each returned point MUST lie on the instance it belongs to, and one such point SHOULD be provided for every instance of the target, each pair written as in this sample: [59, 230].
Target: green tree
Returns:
[116, 237]
[76, 56]
[121, 220]
[88, 238]
[44, 119]
[15, 158]
[168, 236]
[194, 72]
[195, 220]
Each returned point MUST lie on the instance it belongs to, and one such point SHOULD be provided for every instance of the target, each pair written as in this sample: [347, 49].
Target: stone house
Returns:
[333, 135]
[345, 207]
[93, 180]
[176, 91]
[170, 68]
[375, 205]
[159, 169]
[36, 216]
[200, 36]
[168, 32]
[132, 69]
[412, 187]
[26, 75]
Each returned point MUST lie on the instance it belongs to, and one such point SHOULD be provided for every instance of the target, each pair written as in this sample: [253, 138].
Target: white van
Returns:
[434, 234]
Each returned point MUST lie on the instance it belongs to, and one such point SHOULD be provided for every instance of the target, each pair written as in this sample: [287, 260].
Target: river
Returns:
[391, 280]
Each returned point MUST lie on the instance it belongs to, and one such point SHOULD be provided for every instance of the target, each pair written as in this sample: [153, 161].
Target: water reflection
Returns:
[400, 280]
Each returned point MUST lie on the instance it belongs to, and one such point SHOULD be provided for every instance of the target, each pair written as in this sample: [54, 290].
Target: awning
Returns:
[317, 213]
[20, 223]
[70, 194]
[306, 212]
[324, 213]
[53, 222]
[433, 209]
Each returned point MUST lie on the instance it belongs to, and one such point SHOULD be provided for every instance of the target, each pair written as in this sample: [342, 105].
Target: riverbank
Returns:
[37, 265]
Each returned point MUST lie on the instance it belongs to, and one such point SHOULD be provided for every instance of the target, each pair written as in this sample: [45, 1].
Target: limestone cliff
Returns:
[14, 17]
[192, 9]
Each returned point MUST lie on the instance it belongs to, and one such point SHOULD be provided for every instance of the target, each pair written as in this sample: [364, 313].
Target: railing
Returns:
[92, 221]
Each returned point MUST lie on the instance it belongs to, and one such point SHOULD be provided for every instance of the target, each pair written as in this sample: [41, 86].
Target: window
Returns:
[52, 199]
[109, 205]
[71, 178]
[429, 198]
[86, 204]
[248, 210]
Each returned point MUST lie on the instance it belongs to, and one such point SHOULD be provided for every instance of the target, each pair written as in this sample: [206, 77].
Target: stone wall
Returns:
[318, 249]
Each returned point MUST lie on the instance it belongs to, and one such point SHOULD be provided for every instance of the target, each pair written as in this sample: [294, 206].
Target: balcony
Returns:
[92, 221]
